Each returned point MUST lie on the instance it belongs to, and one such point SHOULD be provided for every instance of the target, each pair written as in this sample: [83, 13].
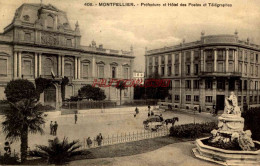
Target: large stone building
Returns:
[40, 41]
[205, 71]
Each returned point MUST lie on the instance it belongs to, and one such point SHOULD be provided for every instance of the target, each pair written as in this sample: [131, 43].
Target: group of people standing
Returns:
[53, 128]
[99, 139]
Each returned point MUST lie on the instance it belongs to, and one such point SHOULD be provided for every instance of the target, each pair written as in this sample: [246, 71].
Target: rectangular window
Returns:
[196, 55]
[150, 61]
[176, 97]
[176, 58]
[220, 67]
[188, 84]
[126, 73]
[208, 84]
[240, 85]
[256, 70]
[230, 55]
[256, 58]
[196, 84]
[196, 98]
[196, 69]
[231, 67]
[169, 70]
[208, 99]
[252, 57]
[150, 70]
[84, 70]
[220, 54]
[220, 84]
[240, 55]
[255, 99]
[239, 100]
[101, 72]
[176, 69]
[244, 99]
[169, 59]
[156, 69]
[3, 67]
[256, 85]
[246, 55]
[68, 70]
[251, 100]
[240, 67]
[156, 61]
[209, 55]
[252, 70]
[188, 70]
[209, 67]
[162, 60]
[245, 70]
[162, 68]
[245, 84]
[188, 97]
[69, 42]
[188, 56]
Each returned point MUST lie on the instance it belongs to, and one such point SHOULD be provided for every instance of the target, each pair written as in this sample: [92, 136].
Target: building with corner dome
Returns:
[40, 41]
[204, 72]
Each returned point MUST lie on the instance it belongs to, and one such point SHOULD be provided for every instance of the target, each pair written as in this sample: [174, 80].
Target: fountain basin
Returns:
[226, 157]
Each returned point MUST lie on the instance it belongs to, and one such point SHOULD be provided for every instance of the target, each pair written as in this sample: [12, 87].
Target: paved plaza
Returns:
[177, 154]
[89, 125]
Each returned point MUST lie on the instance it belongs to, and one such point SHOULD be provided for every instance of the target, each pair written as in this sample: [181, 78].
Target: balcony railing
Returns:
[221, 74]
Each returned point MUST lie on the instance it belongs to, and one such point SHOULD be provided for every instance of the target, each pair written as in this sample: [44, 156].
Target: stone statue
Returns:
[231, 126]
[231, 106]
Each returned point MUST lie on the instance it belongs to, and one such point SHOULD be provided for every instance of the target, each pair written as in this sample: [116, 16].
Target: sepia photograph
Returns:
[130, 82]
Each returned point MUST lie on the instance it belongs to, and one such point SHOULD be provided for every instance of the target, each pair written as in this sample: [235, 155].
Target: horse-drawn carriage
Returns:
[155, 123]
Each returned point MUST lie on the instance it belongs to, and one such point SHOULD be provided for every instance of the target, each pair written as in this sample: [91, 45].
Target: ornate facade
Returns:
[40, 42]
[205, 71]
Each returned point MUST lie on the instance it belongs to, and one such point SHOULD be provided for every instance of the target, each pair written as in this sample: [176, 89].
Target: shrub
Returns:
[192, 130]
[89, 92]
[9, 160]
[45, 107]
[252, 121]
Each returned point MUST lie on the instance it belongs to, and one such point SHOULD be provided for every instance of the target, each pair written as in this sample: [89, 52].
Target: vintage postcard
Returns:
[130, 82]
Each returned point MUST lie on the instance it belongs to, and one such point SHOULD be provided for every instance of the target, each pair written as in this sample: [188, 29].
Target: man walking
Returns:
[76, 118]
[51, 128]
[55, 127]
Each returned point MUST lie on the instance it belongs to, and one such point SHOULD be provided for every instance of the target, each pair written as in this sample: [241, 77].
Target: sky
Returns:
[151, 27]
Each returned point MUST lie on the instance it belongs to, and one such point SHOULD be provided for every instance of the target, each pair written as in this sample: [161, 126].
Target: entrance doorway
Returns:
[50, 96]
[220, 102]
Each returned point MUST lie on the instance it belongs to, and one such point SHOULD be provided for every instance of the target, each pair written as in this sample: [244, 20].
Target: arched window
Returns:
[50, 22]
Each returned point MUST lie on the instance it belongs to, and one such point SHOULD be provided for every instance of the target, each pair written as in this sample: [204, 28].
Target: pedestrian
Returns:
[76, 118]
[199, 109]
[136, 111]
[51, 128]
[214, 112]
[149, 114]
[55, 127]
[89, 142]
[149, 109]
[152, 113]
[99, 139]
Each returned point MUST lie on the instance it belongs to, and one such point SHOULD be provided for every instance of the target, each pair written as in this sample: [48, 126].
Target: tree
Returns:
[90, 92]
[24, 116]
[57, 152]
[121, 86]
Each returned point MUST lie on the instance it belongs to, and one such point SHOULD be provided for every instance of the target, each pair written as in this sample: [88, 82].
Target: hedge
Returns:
[192, 130]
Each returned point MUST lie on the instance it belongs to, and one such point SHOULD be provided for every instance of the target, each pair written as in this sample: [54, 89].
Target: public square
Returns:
[111, 122]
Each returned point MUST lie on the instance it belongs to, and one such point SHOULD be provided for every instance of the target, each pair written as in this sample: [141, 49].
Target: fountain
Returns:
[229, 144]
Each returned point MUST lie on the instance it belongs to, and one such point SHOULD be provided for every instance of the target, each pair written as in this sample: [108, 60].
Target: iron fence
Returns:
[124, 137]
[105, 104]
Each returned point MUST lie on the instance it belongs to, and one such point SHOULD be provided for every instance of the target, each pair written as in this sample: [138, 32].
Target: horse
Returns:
[172, 121]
